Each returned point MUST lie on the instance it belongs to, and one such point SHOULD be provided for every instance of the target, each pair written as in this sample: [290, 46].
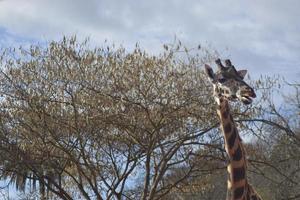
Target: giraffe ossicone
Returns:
[229, 85]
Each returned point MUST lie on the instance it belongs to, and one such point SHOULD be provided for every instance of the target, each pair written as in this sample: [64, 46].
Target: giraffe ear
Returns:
[209, 72]
[242, 73]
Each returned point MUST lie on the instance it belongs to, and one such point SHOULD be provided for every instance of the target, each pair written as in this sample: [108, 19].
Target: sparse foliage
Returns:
[104, 123]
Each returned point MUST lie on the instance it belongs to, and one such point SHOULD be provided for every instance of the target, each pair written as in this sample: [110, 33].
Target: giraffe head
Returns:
[229, 83]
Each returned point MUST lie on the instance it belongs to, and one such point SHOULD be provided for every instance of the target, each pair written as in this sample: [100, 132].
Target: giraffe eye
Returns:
[222, 80]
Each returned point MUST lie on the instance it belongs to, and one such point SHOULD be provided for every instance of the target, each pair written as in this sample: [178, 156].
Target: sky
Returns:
[262, 36]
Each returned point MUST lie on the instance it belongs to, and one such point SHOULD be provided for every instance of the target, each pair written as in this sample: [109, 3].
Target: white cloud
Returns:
[261, 33]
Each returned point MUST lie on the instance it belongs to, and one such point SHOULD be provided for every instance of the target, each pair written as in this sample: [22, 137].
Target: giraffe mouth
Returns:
[247, 97]
[246, 100]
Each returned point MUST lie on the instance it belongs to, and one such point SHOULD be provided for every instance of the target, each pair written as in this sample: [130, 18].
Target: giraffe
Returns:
[228, 85]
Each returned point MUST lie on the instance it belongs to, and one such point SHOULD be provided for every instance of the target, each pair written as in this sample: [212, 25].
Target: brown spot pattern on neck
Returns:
[240, 189]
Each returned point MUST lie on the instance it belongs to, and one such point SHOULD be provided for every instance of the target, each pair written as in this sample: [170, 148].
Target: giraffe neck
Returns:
[238, 187]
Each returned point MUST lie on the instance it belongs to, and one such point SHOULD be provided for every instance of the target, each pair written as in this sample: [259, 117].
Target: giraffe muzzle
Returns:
[247, 98]
[246, 95]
